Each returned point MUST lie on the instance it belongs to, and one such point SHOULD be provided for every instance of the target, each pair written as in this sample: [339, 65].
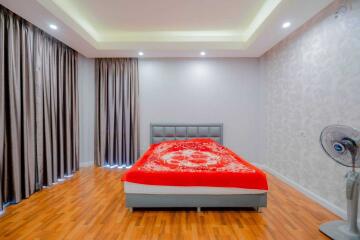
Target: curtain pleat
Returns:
[28, 107]
[13, 111]
[2, 103]
[60, 117]
[117, 125]
[38, 109]
[75, 115]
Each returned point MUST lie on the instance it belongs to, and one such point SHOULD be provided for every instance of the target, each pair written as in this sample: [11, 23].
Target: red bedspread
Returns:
[196, 162]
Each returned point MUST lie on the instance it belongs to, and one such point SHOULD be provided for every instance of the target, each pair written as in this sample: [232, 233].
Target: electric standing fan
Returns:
[342, 144]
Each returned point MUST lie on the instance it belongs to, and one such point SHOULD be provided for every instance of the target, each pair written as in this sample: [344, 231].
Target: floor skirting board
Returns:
[322, 201]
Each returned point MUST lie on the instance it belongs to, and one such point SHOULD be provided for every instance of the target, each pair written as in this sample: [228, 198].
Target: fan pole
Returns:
[346, 230]
[352, 195]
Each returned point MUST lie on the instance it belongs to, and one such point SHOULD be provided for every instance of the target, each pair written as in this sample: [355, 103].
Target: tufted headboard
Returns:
[166, 132]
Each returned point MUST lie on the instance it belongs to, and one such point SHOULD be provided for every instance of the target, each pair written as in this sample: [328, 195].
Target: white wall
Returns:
[86, 86]
[185, 91]
[203, 91]
[311, 80]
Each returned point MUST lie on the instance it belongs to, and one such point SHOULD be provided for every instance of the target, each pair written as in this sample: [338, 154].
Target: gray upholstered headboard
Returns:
[166, 132]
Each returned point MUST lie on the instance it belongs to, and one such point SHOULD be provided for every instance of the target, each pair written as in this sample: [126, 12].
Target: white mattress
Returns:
[130, 187]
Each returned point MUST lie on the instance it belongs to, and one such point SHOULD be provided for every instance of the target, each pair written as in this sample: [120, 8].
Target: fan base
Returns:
[339, 230]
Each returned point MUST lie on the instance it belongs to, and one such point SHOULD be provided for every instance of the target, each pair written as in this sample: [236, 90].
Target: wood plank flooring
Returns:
[91, 206]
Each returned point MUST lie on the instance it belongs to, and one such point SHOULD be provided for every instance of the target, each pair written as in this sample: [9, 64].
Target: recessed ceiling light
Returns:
[286, 24]
[140, 53]
[53, 26]
[202, 53]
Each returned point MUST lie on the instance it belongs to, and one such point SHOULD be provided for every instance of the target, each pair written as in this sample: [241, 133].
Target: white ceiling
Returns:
[164, 15]
[168, 28]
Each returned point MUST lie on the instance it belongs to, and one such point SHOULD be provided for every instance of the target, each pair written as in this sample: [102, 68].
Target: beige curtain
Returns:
[38, 109]
[117, 118]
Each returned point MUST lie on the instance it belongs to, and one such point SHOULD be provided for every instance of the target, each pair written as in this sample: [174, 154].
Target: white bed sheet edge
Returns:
[137, 188]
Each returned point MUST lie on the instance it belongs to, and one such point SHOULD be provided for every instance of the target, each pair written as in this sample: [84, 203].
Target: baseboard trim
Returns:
[320, 200]
[86, 164]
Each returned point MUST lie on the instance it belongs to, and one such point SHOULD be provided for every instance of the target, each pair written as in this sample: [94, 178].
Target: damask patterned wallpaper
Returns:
[311, 80]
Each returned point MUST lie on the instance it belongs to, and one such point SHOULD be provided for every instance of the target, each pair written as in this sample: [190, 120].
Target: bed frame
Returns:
[166, 132]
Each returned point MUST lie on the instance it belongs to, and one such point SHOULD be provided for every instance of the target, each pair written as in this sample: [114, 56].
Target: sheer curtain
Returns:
[38, 109]
[117, 118]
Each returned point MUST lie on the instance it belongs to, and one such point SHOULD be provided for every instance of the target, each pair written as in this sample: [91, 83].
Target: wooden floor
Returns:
[91, 206]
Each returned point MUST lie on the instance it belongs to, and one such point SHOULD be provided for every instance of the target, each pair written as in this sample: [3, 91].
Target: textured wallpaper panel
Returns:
[311, 80]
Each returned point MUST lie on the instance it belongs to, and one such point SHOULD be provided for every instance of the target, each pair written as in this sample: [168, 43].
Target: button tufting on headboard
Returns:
[166, 132]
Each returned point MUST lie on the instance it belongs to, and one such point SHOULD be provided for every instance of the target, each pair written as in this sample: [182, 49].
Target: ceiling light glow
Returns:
[70, 9]
[53, 26]
[286, 24]
[141, 54]
[202, 53]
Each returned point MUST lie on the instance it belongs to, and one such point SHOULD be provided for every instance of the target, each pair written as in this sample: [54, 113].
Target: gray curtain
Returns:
[117, 118]
[38, 109]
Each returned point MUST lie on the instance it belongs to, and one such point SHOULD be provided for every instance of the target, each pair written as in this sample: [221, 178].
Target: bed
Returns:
[187, 166]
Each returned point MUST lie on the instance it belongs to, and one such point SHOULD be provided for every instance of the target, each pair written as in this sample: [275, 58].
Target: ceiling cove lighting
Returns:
[140, 53]
[286, 24]
[202, 53]
[71, 9]
[53, 26]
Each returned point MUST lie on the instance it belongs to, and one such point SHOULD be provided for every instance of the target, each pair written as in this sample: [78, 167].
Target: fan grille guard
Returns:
[332, 138]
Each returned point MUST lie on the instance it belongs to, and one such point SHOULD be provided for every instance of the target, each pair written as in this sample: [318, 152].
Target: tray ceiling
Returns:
[168, 28]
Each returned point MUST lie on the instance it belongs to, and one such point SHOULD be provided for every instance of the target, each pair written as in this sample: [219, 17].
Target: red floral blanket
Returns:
[196, 162]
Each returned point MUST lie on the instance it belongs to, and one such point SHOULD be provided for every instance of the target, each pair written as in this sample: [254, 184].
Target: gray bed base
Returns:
[195, 201]
[164, 132]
